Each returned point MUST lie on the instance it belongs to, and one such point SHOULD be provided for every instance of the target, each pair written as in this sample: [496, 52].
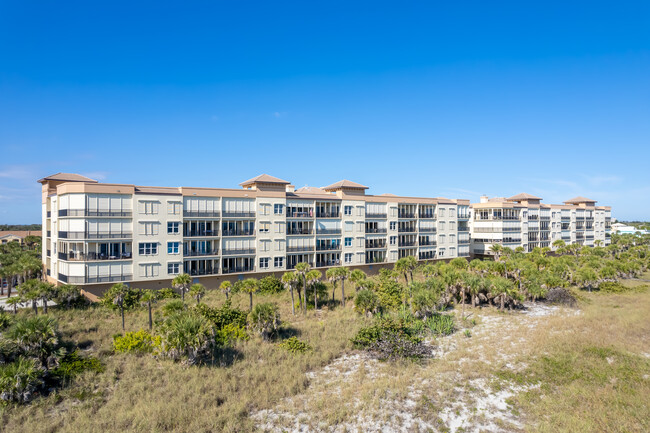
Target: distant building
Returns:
[622, 229]
[19, 236]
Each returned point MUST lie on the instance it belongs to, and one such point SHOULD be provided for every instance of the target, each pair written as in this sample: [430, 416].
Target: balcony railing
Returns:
[201, 253]
[406, 215]
[334, 247]
[94, 280]
[427, 229]
[376, 215]
[407, 244]
[328, 263]
[428, 244]
[406, 230]
[238, 252]
[463, 229]
[238, 269]
[375, 246]
[328, 214]
[300, 249]
[239, 214]
[95, 235]
[463, 241]
[328, 231]
[207, 271]
[300, 232]
[201, 233]
[201, 214]
[426, 216]
[300, 214]
[427, 256]
[95, 213]
[238, 232]
[371, 230]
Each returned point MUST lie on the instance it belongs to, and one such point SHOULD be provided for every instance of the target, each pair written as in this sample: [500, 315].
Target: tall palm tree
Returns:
[355, 276]
[290, 281]
[226, 287]
[313, 277]
[333, 278]
[197, 291]
[250, 286]
[46, 292]
[301, 270]
[182, 282]
[342, 273]
[119, 293]
[497, 250]
[13, 302]
[147, 298]
[29, 292]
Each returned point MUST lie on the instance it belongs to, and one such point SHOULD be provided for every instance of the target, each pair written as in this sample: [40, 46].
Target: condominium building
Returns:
[96, 234]
[523, 221]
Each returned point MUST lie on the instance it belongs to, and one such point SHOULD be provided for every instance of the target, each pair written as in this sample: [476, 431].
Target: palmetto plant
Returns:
[355, 276]
[36, 337]
[182, 282]
[301, 270]
[290, 281]
[197, 291]
[19, 380]
[313, 277]
[226, 287]
[147, 298]
[118, 298]
[264, 319]
[29, 292]
[186, 335]
[250, 286]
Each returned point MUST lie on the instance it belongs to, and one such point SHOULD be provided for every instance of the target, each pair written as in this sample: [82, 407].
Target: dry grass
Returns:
[557, 372]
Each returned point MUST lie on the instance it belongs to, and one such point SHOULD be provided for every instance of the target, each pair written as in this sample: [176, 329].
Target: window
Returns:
[348, 242]
[441, 252]
[441, 225]
[279, 228]
[265, 227]
[149, 270]
[441, 239]
[172, 228]
[347, 210]
[173, 247]
[173, 207]
[393, 225]
[348, 257]
[265, 209]
[173, 268]
[441, 212]
[349, 226]
[264, 262]
[278, 209]
[148, 248]
[361, 210]
[278, 262]
[393, 240]
[279, 245]
[148, 228]
[149, 207]
[265, 245]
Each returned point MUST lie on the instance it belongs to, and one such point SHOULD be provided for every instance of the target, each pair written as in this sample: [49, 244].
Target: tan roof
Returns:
[67, 177]
[344, 184]
[580, 199]
[524, 196]
[311, 190]
[20, 233]
[264, 178]
[158, 190]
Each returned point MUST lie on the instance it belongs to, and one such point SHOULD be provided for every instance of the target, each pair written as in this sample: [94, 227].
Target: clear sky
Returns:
[452, 99]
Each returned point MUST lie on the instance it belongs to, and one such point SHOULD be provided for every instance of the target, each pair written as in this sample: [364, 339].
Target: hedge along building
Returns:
[96, 234]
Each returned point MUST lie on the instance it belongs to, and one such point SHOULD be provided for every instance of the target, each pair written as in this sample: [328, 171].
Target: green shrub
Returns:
[5, 320]
[221, 317]
[390, 338]
[424, 301]
[167, 293]
[264, 319]
[294, 345]
[230, 333]
[137, 342]
[131, 299]
[73, 364]
[270, 285]
[440, 324]
[19, 380]
[390, 294]
[187, 336]
[366, 302]
[172, 307]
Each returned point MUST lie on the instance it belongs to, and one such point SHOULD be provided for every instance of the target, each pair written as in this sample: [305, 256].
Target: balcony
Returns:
[463, 241]
[328, 231]
[406, 215]
[463, 217]
[428, 244]
[94, 280]
[239, 233]
[298, 232]
[328, 214]
[239, 252]
[335, 247]
[533, 217]
[239, 214]
[201, 233]
[463, 229]
[95, 213]
[427, 229]
[375, 245]
[95, 235]
[463, 253]
[407, 244]
[49, 214]
[201, 214]
[376, 215]
[545, 218]
[429, 255]
[238, 269]
[201, 253]
[200, 272]
[309, 214]
[307, 249]
[406, 230]
[427, 216]
[371, 230]
[49, 234]
[328, 263]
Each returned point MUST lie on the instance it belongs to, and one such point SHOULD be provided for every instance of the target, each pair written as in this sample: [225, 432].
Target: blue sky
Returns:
[453, 99]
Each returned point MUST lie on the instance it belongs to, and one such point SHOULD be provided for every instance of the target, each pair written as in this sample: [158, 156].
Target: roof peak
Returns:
[524, 196]
[580, 199]
[264, 178]
[67, 177]
[344, 184]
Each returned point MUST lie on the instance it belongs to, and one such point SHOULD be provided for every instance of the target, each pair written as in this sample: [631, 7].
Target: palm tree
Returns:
[118, 298]
[250, 286]
[148, 297]
[265, 319]
[312, 278]
[473, 285]
[355, 276]
[36, 337]
[226, 287]
[29, 292]
[497, 250]
[301, 270]
[342, 273]
[197, 291]
[182, 282]
[333, 278]
[13, 302]
[46, 292]
[290, 281]
[405, 266]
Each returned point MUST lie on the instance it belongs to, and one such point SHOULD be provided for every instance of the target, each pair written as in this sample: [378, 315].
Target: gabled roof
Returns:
[580, 199]
[264, 178]
[311, 190]
[344, 184]
[523, 196]
[67, 177]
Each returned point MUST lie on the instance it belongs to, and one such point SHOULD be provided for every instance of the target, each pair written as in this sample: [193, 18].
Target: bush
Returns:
[19, 380]
[230, 333]
[131, 299]
[186, 335]
[138, 342]
[5, 320]
[425, 301]
[167, 293]
[561, 296]
[366, 302]
[294, 345]
[264, 319]
[73, 364]
[440, 324]
[390, 294]
[69, 296]
[172, 307]
[270, 285]
[390, 338]
[221, 317]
